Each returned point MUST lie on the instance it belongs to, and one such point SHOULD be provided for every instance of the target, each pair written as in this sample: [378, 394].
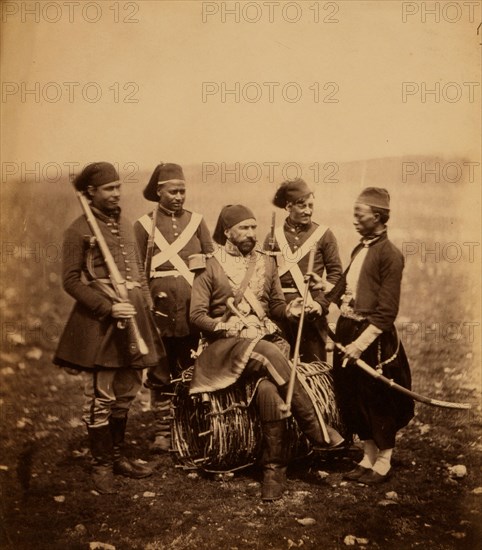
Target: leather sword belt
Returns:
[159, 274]
[129, 284]
[290, 290]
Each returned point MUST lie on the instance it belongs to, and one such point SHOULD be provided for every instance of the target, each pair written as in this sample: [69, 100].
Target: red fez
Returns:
[163, 173]
[291, 191]
[375, 196]
[96, 174]
[230, 216]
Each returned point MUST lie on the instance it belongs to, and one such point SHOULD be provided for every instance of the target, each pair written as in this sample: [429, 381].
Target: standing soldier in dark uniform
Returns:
[167, 237]
[293, 240]
[369, 296]
[93, 340]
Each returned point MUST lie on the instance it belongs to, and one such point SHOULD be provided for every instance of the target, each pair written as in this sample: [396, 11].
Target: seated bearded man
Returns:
[248, 344]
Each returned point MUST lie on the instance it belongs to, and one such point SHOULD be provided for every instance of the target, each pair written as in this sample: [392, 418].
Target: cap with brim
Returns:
[230, 215]
[95, 175]
[165, 172]
[377, 197]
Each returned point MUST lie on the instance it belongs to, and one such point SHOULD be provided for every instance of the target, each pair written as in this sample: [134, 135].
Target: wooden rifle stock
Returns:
[136, 342]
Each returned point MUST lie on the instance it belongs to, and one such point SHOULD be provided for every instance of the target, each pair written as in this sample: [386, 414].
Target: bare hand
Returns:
[293, 309]
[316, 282]
[123, 310]
[352, 353]
[313, 309]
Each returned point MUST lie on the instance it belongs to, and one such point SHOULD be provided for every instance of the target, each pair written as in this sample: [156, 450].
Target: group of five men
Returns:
[246, 302]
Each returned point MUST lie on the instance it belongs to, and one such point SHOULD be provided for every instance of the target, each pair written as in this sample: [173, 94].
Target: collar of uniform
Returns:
[103, 216]
[170, 213]
[297, 227]
[372, 239]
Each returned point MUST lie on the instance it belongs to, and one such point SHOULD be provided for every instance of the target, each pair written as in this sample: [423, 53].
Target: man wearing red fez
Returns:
[167, 237]
[240, 272]
[293, 241]
[94, 342]
[369, 295]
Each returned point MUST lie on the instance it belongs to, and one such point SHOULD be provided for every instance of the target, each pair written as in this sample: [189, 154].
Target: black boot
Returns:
[274, 460]
[122, 465]
[102, 467]
[161, 405]
[307, 420]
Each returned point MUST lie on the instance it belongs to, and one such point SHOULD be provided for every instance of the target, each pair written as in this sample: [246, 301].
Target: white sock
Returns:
[370, 452]
[382, 465]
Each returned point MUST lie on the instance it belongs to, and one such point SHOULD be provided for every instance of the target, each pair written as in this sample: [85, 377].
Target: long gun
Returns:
[272, 240]
[136, 342]
[150, 245]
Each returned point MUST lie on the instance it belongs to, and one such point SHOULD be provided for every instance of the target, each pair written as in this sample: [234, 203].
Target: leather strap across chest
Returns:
[170, 252]
[289, 265]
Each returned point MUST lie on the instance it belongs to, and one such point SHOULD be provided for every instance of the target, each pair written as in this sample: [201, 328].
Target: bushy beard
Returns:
[246, 246]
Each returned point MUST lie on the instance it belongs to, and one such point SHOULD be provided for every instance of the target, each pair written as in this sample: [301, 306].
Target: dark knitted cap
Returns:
[163, 173]
[291, 191]
[230, 215]
[96, 174]
[375, 196]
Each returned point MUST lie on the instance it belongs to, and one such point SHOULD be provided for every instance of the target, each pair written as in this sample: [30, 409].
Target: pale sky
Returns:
[165, 57]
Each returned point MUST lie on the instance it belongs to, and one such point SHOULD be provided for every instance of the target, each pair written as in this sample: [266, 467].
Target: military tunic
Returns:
[327, 260]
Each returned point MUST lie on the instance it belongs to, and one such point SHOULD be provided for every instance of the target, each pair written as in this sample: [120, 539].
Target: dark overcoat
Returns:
[92, 338]
[371, 409]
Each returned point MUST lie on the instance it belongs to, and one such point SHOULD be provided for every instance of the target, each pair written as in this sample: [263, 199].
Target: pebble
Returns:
[148, 494]
[7, 371]
[306, 521]
[100, 546]
[351, 540]
[3, 468]
[391, 495]
[193, 475]
[458, 471]
[320, 474]
[80, 529]
[59, 498]
[386, 502]
[477, 491]
[34, 353]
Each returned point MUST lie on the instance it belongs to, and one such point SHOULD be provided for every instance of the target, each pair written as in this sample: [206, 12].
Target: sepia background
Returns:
[243, 95]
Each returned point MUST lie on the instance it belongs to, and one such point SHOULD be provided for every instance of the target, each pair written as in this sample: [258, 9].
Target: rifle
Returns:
[136, 342]
[150, 245]
[296, 354]
[272, 240]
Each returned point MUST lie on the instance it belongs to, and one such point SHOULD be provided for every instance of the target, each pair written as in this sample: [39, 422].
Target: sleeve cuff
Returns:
[367, 337]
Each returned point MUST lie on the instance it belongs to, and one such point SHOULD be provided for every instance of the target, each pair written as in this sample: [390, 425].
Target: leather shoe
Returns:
[125, 467]
[373, 478]
[356, 473]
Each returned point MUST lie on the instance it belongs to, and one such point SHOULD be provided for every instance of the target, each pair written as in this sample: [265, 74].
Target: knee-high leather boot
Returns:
[274, 459]
[161, 405]
[100, 440]
[307, 420]
[122, 465]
